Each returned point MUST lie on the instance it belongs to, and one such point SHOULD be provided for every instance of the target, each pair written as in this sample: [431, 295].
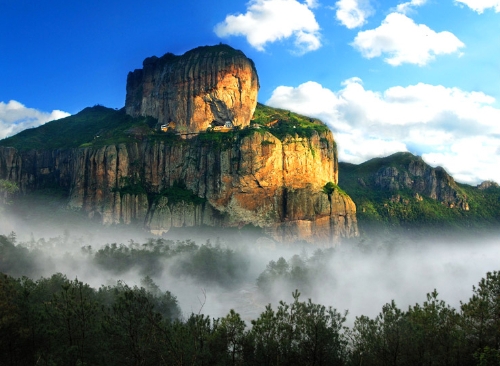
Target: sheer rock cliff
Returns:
[257, 179]
[163, 180]
[206, 86]
[422, 179]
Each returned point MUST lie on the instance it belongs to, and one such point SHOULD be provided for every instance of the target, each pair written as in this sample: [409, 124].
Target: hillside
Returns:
[401, 191]
[118, 169]
[93, 126]
[101, 126]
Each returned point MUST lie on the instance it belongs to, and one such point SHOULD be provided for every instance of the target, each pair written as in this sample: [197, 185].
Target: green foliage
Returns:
[487, 357]
[482, 315]
[131, 186]
[16, 260]
[218, 140]
[289, 124]
[57, 321]
[300, 272]
[133, 321]
[279, 270]
[147, 257]
[212, 265]
[301, 333]
[207, 264]
[267, 143]
[484, 204]
[178, 192]
[93, 126]
[329, 188]
[7, 189]
[423, 335]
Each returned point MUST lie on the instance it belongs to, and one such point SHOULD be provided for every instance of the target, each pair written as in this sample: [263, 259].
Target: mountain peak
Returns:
[404, 171]
[487, 184]
[205, 87]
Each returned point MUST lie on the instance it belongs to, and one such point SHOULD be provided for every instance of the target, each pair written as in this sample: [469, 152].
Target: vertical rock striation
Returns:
[249, 177]
[207, 84]
[257, 179]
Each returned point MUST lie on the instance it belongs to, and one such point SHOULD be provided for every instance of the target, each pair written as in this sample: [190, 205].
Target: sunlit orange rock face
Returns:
[207, 84]
[257, 179]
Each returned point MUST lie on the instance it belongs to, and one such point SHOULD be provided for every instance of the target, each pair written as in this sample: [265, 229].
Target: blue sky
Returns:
[420, 76]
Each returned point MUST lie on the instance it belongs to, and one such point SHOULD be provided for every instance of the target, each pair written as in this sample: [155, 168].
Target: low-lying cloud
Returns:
[447, 126]
[347, 278]
[15, 117]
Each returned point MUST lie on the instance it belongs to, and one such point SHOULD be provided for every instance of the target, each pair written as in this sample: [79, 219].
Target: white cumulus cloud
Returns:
[480, 6]
[312, 3]
[401, 40]
[353, 13]
[15, 117]
[406, 7]
[456, 129]
[268, 21]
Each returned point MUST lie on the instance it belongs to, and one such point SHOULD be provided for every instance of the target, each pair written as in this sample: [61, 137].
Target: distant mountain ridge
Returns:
[401, 190]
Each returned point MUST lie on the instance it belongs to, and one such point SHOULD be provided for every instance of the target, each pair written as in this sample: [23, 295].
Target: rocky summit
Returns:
[422, 179]
[205, 87]
[268, 169]
[401, 191]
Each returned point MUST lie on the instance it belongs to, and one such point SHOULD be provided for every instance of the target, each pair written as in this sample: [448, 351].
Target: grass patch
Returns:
[288, 123]
[130, 186]
[220, 140]
[178, 192]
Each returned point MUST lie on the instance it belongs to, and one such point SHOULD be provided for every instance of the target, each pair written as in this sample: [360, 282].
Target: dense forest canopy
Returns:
[56, 320]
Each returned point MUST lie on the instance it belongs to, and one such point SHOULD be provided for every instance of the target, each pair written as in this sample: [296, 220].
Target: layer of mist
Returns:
[216, 274]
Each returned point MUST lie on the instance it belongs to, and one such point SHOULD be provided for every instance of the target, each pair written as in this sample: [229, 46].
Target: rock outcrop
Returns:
[206, 86]
[487, 184]
[416, 175]
[161, 181]
[256, 179]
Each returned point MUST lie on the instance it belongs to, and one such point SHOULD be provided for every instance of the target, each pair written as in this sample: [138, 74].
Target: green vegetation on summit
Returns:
[286, 123]
[100, 126]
